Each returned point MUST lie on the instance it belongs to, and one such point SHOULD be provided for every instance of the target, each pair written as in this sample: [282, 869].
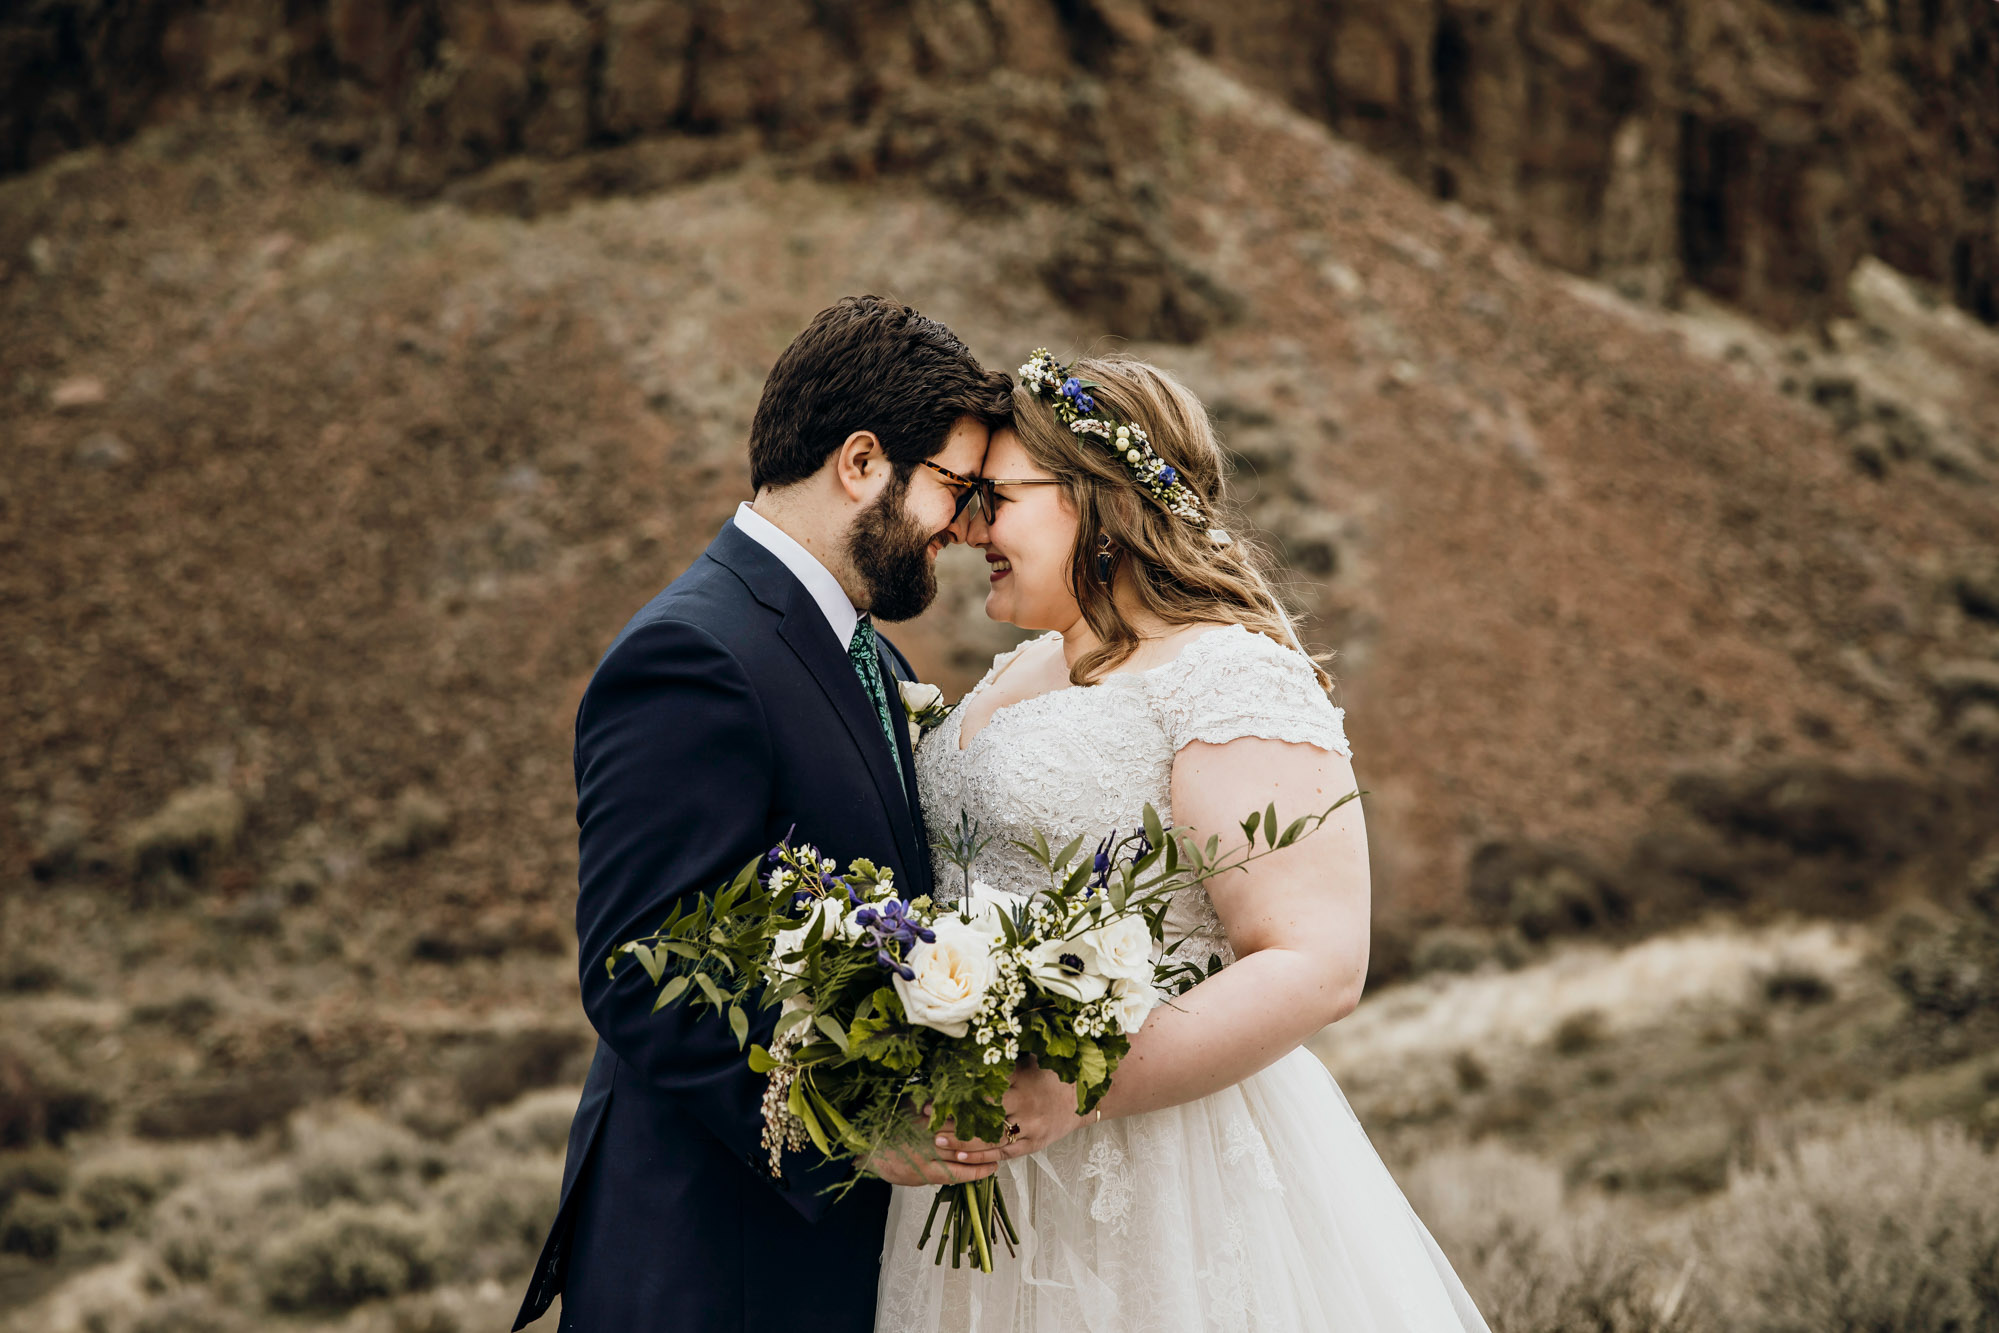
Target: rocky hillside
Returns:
[323, 503]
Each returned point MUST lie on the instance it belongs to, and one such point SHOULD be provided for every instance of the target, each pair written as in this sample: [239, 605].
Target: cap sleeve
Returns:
[1233, 682]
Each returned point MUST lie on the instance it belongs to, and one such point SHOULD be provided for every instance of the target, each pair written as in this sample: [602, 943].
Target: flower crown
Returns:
[1074, 407]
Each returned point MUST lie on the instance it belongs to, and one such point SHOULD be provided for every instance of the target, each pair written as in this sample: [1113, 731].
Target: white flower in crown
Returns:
[1076, 407]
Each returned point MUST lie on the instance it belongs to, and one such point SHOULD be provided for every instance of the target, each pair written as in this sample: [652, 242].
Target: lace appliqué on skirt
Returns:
[1111, 1204]
[1228, 1279]
[1244, 1141]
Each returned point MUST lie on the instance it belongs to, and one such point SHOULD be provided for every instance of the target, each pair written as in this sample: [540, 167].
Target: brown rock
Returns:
[79, 392]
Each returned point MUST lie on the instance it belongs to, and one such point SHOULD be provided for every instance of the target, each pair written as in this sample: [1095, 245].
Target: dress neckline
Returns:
[1005, 660]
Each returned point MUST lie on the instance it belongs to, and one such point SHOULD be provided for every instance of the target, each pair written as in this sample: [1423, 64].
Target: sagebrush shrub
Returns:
[1537, 1259]
[1878, 1226]
[346, 1256]
[357, 1156]
[500, 1215]
[537, 1123]
[187, 834]
[35, 1227]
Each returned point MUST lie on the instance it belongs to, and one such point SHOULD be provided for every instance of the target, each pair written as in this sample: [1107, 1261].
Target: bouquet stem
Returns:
[975, 1214]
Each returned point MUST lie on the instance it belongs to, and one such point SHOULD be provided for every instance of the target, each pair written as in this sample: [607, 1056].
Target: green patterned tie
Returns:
[867, 665]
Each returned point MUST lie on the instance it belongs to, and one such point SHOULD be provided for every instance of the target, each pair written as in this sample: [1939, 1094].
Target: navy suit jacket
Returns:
[724, 715]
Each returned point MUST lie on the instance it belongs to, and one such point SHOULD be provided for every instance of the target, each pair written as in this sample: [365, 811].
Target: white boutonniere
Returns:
[923, 707]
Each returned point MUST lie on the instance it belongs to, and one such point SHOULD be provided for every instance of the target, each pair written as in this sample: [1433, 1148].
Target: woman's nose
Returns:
[970, 524]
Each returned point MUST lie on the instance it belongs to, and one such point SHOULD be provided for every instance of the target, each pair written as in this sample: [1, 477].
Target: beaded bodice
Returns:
[1087, 759]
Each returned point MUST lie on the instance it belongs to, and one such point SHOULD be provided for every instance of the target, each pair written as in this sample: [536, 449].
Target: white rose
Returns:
[1131, 1001]
[1068, 967]
[984, 905]
[917, 696]
[1124, 948]
[952, 977]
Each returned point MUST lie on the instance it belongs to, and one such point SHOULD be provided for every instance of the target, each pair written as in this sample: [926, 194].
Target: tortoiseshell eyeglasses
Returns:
[982, 490]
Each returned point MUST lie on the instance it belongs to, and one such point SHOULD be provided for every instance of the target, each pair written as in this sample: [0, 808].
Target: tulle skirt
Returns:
[1262, 1208]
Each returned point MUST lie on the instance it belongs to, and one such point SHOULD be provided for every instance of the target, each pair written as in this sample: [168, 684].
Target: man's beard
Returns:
[890, 551]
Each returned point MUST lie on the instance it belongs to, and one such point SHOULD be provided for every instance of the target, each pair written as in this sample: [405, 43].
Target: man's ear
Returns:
[861, 467]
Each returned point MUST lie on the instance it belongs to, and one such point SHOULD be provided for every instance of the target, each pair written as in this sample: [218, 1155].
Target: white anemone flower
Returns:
[1068, 967]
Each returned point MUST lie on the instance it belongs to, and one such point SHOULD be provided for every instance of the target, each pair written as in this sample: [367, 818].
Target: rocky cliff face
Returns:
[1753, 149]
[1756, 150]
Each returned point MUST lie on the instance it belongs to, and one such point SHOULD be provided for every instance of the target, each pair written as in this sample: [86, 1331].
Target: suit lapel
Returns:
[893, 670]
[804, 630]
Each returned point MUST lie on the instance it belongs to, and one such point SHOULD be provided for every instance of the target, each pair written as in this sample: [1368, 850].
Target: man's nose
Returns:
[961, 524]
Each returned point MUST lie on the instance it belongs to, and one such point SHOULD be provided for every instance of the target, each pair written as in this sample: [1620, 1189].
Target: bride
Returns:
[1224, 1182]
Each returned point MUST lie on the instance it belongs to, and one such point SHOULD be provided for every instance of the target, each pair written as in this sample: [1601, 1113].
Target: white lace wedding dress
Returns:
[1261, 1208]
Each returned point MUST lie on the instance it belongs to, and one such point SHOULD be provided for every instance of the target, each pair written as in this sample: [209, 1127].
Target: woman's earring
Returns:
[1106, 556]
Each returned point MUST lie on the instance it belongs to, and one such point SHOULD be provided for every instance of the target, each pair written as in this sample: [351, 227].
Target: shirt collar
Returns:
[826, 591]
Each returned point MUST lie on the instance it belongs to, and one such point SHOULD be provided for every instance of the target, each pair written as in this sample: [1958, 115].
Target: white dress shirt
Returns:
[833, 601]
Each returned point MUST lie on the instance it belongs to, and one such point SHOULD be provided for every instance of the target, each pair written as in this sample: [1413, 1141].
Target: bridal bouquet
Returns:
[890, 1006]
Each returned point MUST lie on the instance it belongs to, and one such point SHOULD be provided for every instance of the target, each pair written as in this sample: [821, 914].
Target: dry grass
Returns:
[1630, 989]
[1871, 1226]
[187, 833]
[1875, 1226]
[344, 1212]
[1536, 1258]
[1602, 1168]
[347, 1256]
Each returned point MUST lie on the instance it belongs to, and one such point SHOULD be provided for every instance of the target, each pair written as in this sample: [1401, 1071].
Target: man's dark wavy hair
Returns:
[870, 364]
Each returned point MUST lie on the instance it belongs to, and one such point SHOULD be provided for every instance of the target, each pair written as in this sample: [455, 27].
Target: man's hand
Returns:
[913, 1166]
[916, 1163]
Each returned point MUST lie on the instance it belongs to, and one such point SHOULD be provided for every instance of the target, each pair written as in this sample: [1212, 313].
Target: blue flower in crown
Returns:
[1072, 389]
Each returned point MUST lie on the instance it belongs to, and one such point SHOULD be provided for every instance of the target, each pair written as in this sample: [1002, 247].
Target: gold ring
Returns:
[1012, 1133]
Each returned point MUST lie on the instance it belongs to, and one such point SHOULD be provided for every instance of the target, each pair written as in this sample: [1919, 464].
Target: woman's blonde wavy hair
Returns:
[1176, 572]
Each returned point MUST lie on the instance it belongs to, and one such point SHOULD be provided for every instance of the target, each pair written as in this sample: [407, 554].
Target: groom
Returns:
[749, 700]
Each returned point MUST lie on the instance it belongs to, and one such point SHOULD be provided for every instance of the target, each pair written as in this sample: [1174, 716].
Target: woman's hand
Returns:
[1040, 1104]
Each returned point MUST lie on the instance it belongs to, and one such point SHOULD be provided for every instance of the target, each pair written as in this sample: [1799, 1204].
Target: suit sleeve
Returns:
[673, 792]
